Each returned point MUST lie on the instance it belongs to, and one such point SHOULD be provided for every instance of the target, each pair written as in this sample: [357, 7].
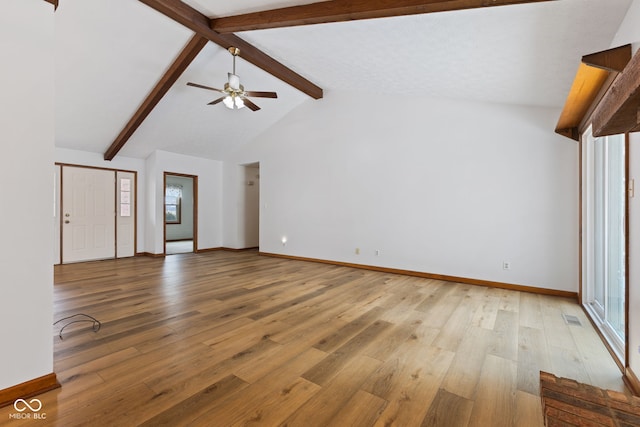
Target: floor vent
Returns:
[571, 320]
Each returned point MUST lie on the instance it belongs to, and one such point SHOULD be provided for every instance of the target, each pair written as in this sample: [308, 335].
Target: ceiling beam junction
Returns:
[200, 24]
[346, 10]
[611, 59]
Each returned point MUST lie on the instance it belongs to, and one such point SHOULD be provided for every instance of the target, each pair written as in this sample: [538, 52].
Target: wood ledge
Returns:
[588, 87]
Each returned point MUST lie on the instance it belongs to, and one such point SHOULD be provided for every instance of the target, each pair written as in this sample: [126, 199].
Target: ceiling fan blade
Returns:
[215, 101]
[203, 87]
[262, 94]
[250, 105]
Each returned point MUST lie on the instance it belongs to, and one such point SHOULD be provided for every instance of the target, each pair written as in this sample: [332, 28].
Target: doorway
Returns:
[604, 237]
[96, 215]
[251, 203]
[180, 213]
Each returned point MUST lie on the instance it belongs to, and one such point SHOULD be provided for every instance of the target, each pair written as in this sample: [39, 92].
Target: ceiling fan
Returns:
[234, 96]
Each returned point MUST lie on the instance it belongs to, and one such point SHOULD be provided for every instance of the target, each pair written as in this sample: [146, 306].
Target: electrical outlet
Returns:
[506, 265]
[357, 251]
[377, 252]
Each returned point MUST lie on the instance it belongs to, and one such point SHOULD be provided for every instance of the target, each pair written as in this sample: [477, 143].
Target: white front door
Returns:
[88, 214]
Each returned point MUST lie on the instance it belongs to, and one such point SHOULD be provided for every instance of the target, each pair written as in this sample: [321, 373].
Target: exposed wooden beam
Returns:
[585, 88]
[619, 110]
[346, 10]
[199, 23]
[611, 60]
[592, 75]
[188, 54]
[54, 3]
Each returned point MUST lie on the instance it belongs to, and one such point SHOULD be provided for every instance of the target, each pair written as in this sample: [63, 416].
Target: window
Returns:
[172, 198]
[604, 236]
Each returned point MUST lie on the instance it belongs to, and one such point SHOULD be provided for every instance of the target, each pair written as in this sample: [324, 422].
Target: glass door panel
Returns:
[604, 198]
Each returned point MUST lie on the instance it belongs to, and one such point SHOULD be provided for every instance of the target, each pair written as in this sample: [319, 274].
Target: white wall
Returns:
[438, 186]
[184, 230]
[85, 158]
[26, 217]
[629, 31]
[209, 173]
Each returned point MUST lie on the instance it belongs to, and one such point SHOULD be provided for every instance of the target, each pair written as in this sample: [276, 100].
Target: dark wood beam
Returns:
[619, 110]
[54, 3]
[346, 10]
[188, 54]
[201, 25]
[611, 60]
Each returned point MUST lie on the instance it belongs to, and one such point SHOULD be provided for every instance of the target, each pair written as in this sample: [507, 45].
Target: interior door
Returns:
[88, 214]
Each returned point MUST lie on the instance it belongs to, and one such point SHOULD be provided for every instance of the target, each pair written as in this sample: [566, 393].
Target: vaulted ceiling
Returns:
[110, 54]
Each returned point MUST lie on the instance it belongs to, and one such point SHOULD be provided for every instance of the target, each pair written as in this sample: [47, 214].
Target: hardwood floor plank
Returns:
[322, 372]
[598, 366]
[530, 311]
[557, 331]
[336, 393]
[362, 410]
[188, 376]
[464, 373]
[452, 332]
[276, 395]
[384, 349]
[188, 410]
[409, 382]
[528, 410]
[505, 335]
[111, 409]
[409, 404]
[532, 358]
[439, 310]
[274, 407]
[485, 316]
[448, 410]
[568, 364]
[495, 400]
[393, 337]
[82, 377]
[336, 339]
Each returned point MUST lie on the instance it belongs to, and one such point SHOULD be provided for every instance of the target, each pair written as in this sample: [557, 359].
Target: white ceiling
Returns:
[110, 54]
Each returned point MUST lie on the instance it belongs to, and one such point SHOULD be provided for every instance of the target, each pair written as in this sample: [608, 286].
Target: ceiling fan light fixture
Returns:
[228, 102]
[233, 101]
[234, 97]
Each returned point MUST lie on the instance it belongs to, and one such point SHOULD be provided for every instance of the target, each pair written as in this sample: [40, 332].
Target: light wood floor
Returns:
[225, 339]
